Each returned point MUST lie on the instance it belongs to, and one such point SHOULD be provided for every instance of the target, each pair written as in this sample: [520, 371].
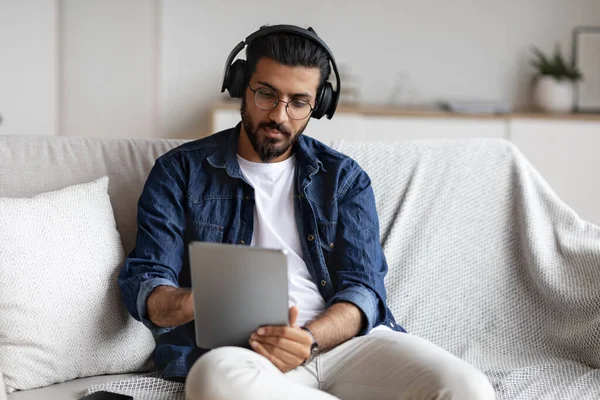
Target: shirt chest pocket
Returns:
[205, 232]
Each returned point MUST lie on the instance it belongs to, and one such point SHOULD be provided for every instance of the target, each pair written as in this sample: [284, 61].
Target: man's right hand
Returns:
[169, 306]
[285, 346]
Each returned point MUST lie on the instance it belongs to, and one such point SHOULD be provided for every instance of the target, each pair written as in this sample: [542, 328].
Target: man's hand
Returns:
[285, 346]
[169, 307]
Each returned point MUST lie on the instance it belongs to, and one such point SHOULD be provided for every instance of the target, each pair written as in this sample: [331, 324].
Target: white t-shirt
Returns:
[275, 227]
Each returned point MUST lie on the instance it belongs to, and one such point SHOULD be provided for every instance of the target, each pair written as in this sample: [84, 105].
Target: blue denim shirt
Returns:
[196, 192]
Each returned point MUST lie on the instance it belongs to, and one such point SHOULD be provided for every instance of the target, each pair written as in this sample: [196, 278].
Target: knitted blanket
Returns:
[487, 262]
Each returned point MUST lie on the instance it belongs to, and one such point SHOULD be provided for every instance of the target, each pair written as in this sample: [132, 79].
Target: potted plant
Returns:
[554, 86]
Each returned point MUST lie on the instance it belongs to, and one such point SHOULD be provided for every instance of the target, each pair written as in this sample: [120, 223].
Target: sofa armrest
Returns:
[2, 387]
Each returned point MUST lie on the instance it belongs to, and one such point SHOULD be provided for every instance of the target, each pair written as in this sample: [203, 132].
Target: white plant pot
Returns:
[552, 95]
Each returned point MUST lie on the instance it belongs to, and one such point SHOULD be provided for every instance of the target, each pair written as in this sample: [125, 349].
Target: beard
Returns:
[267, 148]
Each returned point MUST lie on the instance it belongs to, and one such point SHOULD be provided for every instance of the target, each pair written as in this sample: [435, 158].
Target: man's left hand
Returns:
[285, 346]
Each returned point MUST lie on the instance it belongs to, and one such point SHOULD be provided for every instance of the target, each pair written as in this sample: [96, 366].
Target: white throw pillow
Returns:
[61, 313]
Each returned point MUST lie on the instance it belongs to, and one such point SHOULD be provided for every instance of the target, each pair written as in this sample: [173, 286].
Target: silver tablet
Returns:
[236, 290]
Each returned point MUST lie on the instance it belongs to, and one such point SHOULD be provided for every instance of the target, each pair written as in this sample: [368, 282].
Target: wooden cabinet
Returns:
[346, 126]
[352, 125]
[392, 128]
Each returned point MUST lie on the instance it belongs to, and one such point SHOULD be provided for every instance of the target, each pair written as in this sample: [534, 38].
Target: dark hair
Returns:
[288, 49]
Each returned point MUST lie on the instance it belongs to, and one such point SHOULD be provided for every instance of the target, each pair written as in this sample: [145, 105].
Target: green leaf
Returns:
[555, 66]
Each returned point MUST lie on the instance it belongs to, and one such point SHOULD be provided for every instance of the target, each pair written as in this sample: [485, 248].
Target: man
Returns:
[264, 184]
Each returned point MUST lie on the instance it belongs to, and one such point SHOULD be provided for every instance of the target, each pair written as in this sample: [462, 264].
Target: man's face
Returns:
[271, 134]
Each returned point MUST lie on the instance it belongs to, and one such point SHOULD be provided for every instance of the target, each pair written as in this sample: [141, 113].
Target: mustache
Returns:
[275, 126]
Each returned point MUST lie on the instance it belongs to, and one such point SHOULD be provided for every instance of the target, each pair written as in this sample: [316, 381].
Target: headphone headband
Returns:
[306, 33]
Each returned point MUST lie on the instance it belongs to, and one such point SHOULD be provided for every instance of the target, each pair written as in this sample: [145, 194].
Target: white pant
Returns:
[383, 365]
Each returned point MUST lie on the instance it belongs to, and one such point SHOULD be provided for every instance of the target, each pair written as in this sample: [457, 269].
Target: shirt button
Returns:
[247, 197]
[323, 282]
[311, 238]
[242, 241]
[332, 245]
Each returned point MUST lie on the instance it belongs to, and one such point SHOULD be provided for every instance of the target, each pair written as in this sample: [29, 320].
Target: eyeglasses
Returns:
[266, 99]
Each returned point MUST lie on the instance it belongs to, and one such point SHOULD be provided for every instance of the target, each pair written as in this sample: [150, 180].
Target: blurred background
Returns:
[151, 68]
[154, 68]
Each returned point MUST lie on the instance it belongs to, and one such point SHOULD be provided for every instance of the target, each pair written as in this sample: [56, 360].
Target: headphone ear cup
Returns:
[236, 79]
[325, 101]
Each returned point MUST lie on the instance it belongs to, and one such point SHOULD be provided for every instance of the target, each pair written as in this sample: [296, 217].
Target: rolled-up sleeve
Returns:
[360, 265]
[157, 258]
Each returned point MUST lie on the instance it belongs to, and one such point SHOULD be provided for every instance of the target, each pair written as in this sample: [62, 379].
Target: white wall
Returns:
[459, 49]
[109, 68]
[28, 67]
[153, 68]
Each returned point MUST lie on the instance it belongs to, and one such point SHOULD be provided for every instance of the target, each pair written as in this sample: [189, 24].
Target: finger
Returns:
[299, 350]
[292, 333]
[293, 315]
[260, 349]
[289, 359]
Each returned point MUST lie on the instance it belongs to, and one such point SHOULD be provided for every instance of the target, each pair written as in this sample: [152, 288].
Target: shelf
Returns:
[424, 112]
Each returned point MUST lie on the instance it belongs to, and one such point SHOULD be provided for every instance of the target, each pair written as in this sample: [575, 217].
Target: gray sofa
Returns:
[485, 260]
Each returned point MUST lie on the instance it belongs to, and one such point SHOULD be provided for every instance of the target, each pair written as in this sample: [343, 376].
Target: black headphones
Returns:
[235, 74]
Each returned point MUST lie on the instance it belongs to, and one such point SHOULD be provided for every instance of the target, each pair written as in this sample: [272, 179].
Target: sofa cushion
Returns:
[71, 390]
[61, 315]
